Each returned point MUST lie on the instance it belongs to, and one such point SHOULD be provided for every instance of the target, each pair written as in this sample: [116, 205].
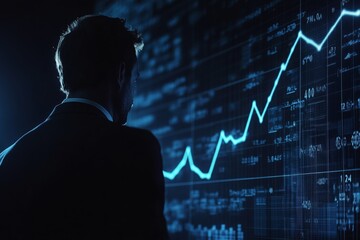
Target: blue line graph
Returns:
[223, 138]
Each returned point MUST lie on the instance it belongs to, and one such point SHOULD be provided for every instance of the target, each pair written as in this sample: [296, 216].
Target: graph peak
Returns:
[223, 138]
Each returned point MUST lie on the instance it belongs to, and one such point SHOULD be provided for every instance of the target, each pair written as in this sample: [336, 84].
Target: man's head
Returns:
[98, 51]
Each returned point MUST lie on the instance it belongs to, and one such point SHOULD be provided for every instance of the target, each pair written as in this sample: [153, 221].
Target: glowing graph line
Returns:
[187, 157]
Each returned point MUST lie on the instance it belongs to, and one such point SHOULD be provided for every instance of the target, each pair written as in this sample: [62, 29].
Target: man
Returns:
[83, 174]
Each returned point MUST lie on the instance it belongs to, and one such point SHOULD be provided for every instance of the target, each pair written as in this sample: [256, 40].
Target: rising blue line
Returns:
[187, 157]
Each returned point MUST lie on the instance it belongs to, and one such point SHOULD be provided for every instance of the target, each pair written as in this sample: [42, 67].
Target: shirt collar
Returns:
[92, 103]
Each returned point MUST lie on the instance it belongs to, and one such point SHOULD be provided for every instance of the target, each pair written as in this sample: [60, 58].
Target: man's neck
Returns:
[95, 97]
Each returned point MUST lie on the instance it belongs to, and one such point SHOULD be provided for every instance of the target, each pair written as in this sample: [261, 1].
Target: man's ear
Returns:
[121, 77]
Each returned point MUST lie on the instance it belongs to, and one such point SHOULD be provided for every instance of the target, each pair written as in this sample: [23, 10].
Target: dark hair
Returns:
[92, 47]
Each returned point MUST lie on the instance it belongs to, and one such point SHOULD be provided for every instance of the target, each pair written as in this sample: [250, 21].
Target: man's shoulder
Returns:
[18, 144]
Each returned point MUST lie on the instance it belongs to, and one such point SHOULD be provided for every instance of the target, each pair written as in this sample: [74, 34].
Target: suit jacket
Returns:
[79, 176]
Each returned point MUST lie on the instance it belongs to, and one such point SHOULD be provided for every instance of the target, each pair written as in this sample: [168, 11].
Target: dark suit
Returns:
[79, 176]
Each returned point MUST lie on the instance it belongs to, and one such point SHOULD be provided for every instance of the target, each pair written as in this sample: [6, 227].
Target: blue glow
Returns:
[4, 152]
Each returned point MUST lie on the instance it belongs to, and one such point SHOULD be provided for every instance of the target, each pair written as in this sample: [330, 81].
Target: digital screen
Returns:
[256, 105]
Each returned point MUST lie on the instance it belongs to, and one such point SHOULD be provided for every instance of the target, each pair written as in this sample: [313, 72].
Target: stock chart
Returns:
[256, 105]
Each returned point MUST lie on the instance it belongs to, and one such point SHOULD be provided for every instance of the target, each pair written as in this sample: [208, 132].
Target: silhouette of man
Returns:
[83, 174]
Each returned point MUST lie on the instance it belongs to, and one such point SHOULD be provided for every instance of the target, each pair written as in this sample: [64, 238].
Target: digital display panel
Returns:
[256, 105]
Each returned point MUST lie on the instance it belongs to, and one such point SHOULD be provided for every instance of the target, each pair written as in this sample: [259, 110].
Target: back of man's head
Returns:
[91, 50]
